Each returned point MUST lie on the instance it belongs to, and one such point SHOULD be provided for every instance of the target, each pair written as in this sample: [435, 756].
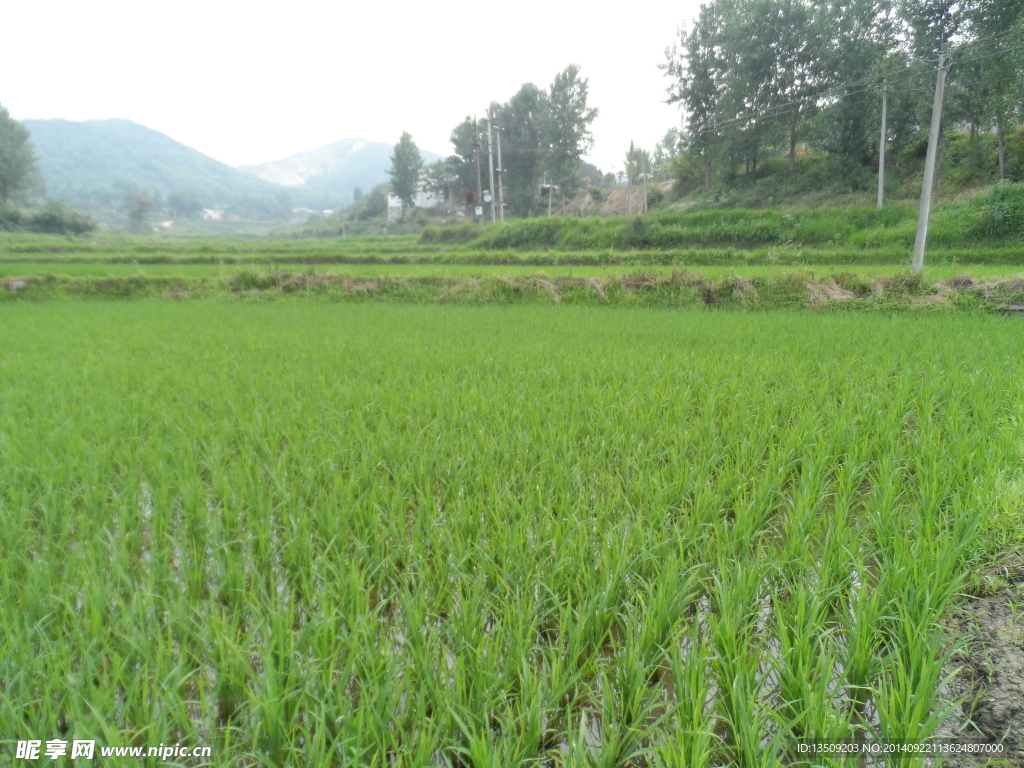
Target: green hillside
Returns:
[92, 165]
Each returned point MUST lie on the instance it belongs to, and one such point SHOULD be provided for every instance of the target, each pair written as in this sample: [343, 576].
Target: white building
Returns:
[423, 199]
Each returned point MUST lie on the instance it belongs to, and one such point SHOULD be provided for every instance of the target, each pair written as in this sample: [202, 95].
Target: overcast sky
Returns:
[248, 82]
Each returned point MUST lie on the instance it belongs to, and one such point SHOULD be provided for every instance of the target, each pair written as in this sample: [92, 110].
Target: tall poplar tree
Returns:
[405, 171]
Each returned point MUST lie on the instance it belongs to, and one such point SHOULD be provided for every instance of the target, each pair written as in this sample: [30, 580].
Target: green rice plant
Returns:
[739, 673]
[862, 642]
[688, 735]
[376, 533]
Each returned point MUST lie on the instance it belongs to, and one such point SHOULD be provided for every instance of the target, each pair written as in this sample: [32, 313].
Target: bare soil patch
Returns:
[991, 679]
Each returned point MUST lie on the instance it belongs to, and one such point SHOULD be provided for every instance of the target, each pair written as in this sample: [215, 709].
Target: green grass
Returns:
[939, 271]
[329, 535]
[985, 229]
[992, 219]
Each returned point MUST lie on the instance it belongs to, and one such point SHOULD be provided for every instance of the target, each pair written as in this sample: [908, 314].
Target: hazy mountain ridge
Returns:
[93, 164]
[335, 169]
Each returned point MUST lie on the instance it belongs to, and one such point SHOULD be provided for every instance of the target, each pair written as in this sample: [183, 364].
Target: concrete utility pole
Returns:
[490, 165]
[501, 174]
[643, 159]
[929, 163]
[479, 183]
[629, 181]
[881, 147]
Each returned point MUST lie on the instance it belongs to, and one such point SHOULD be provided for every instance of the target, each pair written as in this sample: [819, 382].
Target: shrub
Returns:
[1002, 211]
[60, 219]
[459, 233]
[10, 217]
[55, 218]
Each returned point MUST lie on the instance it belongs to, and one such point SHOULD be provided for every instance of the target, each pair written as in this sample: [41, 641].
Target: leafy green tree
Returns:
[374, 204]
[697, 67]
[996, 70]
[185, 204]
[462, 163]
[405, 171]
[862, 45]
[18, 172]
[542, 132]
[567, 127]
[799, 69]
[439, 179]
[928, 23]
[636, 163]
[667, 149]
[524, 120]
[138, 208]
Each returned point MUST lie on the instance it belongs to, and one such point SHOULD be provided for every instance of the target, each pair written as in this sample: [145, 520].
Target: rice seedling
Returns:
[391, 535]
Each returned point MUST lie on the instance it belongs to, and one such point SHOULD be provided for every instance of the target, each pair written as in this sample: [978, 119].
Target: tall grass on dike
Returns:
[385, 535]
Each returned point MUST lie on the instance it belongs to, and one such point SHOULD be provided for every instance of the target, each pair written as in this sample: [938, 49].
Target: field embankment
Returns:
[793, 289]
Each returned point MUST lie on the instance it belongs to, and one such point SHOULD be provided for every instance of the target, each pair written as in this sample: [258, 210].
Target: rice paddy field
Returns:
[372, 534]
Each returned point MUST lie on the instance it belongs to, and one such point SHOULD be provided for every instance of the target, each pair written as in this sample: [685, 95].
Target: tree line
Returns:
[760, 78]
[544, 134]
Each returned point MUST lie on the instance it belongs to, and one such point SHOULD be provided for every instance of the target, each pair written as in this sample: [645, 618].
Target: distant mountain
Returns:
[335, 169]
[93, 164]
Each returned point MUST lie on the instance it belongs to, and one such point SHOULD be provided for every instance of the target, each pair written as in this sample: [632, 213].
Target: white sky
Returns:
[248, 82]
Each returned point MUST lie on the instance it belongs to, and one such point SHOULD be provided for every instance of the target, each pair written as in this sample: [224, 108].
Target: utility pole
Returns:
[479, 183]
[629, 181]
[881, 147]
[548, 187]
[490, 164]
[643, 159]
[501, 174]
[929, 163]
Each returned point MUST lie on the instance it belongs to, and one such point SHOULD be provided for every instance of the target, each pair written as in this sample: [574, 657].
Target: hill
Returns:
[92, 165]
[335, 169]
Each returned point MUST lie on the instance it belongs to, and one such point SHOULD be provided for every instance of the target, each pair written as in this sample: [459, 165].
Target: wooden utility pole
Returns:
[629, 181]
[490, 165]
[929, 163]
[501, 173]
[479, 182]
[881, 147]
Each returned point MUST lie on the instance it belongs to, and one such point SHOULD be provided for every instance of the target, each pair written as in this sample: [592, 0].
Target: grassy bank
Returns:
[771, 289]
[993, 219]
[986, 229]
